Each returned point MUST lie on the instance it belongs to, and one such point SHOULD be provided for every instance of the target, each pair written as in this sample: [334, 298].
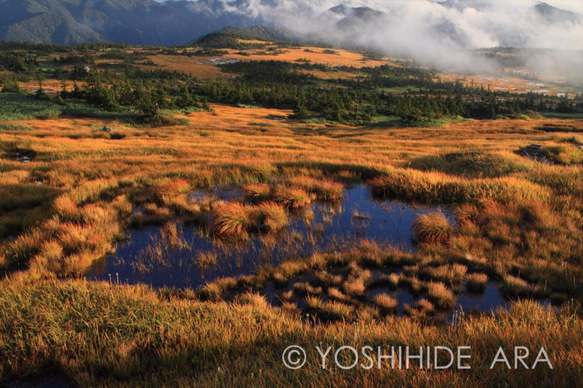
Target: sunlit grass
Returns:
[476, 282]
[517, 221]
[440, 295]
[432, 229]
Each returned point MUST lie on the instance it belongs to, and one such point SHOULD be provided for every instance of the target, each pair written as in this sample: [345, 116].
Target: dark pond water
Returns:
[148, 257]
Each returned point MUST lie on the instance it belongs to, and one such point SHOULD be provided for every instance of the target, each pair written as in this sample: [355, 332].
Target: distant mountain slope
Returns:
[227, 37]
[130, 21]
[556, 15]
[150, 22]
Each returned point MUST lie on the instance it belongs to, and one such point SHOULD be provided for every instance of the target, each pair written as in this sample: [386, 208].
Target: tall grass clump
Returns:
[442, 296]
[515, 286]
[269, 217]
[385, 302]
[257, 192]
[476, 282]
[291, 198]
[432, 229]
[230, 220]
[324, 189]
[358, 280]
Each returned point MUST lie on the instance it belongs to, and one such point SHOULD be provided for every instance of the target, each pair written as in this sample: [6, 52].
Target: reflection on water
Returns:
[186, 256]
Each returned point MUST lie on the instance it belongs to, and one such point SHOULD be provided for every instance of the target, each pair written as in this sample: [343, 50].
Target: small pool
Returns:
[193, 258]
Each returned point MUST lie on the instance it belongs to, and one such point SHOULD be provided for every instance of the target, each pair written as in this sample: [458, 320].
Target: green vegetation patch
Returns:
[7, 127]
[20, 107]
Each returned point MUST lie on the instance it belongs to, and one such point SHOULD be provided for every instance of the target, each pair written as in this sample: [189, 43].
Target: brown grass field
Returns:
[519, 223]
[205, 67]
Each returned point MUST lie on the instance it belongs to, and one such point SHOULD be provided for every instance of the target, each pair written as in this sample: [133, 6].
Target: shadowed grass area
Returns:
[14, 197]
[98, 334]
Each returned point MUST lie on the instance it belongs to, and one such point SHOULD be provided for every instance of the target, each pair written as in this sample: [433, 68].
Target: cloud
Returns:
[434, 33]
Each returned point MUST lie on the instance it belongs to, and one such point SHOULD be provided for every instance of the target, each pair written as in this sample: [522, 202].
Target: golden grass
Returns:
[269, 216]
[328, 279]
[450, 274]
[291, 198]
[503, 84]
[420, 310]
[476, 282]
[236, 220]
[256, 192]
[440, 295]
[432, 229]
[313, 54]
[385, 301]
[518, 221]
[357, 282]
[98, 334]
[325, 190]
[230, 220]
[516, 286]
[307, 288]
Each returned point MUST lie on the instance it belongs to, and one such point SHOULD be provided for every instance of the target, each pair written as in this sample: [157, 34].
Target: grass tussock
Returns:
[476, 282]
[421, 309]
[327, 279]
[269, 216]
[473, 164]
[325, 190]
[442, 296]
[291, 198]
[390, 280]
[432, 229]
[516, 286]
[230, 220]
[436, 188]
[257, 192]
[236, 220]
[449, 274]
[357, 281]
[306, 288]
[385, 302]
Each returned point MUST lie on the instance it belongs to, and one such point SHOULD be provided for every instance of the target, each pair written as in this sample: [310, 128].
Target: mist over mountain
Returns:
[436, 33]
